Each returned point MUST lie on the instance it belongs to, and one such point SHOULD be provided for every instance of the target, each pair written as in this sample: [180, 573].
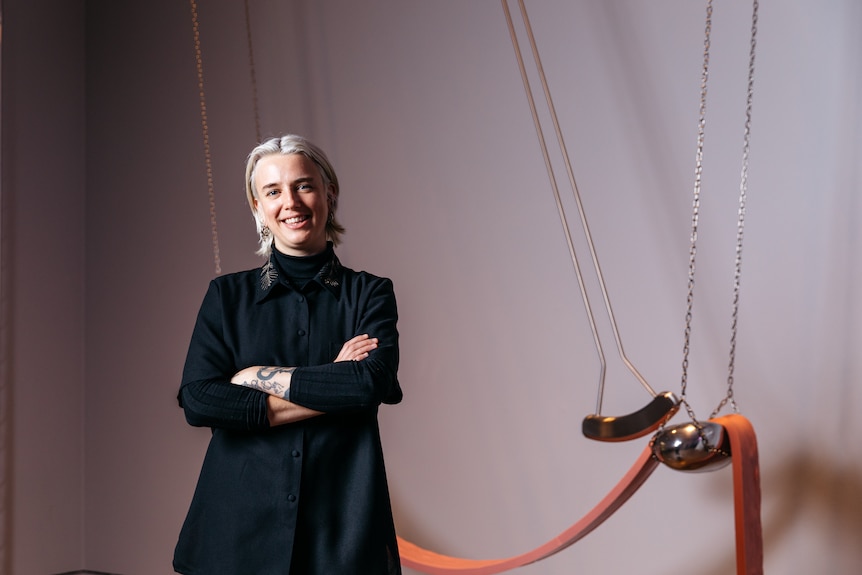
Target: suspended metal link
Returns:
[729, 398]
[740, 226]
[695, 212]
[253, 70]
[206, 137]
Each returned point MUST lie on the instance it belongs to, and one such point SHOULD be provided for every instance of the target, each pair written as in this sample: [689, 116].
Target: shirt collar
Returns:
[329, 276]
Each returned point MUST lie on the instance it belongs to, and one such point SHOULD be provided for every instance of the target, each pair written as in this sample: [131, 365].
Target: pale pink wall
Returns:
[43, 247]
[148, 268]
[422, 110]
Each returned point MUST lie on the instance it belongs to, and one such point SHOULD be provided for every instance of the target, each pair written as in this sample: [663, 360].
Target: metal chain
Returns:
[253, 70]
[740, 221]
[695, 213]
[740, 226]
[206, 139]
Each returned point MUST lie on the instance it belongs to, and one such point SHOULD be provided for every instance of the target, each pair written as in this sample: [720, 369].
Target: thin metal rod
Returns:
[582, 213]
[560, 209]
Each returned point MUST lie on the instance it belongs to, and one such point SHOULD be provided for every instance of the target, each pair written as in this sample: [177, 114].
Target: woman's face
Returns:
[292, 202]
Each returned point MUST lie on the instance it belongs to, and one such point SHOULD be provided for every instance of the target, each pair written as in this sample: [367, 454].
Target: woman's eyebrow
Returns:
[299, 180]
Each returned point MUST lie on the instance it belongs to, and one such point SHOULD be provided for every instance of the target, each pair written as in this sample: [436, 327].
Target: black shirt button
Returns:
[300, 332]
[291, 497]
[295, 453]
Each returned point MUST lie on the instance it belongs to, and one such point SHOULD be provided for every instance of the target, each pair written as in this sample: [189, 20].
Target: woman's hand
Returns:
[357, 348]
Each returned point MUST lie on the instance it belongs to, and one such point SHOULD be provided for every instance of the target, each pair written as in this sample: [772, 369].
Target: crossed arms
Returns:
[275, 381]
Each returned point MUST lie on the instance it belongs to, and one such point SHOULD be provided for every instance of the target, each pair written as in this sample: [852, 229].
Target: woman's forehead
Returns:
[285, 167]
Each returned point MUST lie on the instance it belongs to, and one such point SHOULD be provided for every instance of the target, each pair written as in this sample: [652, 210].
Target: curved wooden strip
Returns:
[433, 563]
[746, 494]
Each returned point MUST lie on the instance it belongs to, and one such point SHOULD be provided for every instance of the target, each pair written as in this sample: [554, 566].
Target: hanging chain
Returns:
[740, 226]
[696, 212]
[206, 139]
[253, 70]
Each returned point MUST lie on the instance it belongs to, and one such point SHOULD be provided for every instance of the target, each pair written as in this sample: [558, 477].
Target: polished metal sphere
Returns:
[685, 447]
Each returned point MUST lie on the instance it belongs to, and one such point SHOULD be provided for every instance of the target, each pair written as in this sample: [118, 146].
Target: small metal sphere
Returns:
[684, 447]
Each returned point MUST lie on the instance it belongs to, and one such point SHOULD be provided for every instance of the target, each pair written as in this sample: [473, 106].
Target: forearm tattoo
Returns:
[265, 380]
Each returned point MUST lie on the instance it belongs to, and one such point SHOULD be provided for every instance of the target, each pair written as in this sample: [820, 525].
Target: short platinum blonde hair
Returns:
[293, 144]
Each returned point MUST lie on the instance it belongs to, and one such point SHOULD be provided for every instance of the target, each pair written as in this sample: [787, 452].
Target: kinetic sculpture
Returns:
[692, 446]
[688, 447]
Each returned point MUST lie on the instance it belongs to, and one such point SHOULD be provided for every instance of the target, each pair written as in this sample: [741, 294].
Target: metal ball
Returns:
[684, 447]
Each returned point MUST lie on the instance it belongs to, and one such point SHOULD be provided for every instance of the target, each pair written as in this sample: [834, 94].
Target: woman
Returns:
[288, 364]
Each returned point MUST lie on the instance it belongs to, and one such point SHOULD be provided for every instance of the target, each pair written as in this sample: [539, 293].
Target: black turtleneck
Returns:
[299, 270]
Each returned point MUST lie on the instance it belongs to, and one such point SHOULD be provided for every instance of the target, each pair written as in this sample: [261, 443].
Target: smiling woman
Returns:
[294, 203]
[292, 191]
[288, 365]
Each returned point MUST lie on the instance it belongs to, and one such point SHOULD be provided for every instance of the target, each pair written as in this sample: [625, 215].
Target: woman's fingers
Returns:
[357, 348]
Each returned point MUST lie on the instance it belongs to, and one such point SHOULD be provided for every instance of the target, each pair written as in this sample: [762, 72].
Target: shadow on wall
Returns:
[823, 495]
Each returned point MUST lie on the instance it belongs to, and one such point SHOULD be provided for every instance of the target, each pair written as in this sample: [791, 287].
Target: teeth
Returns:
[295, 220]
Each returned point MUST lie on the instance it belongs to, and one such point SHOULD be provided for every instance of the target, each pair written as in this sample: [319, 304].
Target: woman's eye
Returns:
[271, 192]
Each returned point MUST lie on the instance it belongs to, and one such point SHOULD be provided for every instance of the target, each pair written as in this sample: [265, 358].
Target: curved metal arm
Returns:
[633, 425]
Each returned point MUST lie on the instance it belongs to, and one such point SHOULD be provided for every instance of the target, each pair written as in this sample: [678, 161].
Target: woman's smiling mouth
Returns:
[295, 220]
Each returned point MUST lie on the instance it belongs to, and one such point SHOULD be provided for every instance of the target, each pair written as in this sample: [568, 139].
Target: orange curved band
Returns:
[746, 481]
[746, 493]
[435, 564]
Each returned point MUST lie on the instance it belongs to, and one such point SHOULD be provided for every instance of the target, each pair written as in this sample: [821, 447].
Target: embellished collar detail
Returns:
[329, 275]
[268, 274]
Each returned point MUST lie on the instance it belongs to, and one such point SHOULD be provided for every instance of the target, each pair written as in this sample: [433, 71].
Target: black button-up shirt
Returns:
[305, 498]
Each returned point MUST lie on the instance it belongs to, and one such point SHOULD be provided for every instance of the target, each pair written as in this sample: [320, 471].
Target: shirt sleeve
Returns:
[206, 394]
[355, 385]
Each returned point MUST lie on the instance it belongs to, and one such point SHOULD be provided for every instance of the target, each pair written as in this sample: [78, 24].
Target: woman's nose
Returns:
[291, 199]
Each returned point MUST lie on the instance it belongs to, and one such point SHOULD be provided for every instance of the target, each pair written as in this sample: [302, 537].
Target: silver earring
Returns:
[265, 233]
